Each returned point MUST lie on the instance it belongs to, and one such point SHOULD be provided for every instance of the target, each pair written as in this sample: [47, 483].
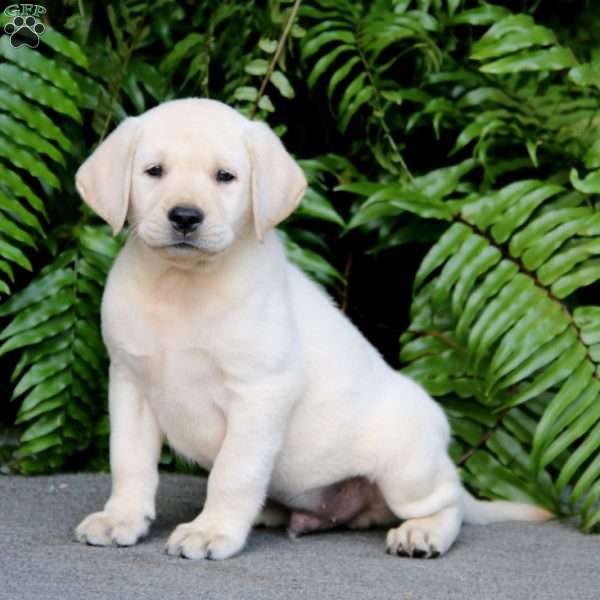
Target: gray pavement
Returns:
[39, 559]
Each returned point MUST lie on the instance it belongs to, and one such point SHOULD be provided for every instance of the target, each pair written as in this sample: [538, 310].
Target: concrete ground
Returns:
[39, 559]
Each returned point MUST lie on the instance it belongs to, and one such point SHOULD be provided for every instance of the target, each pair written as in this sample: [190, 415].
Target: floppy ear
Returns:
[278, 182]
[104, 179]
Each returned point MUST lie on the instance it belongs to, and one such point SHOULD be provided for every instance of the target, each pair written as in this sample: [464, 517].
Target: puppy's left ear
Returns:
[278, 182]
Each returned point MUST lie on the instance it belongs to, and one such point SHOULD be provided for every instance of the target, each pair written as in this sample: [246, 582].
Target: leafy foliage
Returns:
[449, 145]
[489, 323]
[61, 370]
[35, 90]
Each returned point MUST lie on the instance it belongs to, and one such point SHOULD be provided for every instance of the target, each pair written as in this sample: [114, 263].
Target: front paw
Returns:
[194, 540]
[108, 529]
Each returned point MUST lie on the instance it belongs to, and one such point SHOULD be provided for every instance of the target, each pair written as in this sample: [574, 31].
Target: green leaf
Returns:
[482, 15]
[589, 185]
[584, 451]
[585, 75]
[41, 371]
[36, 353]
[314, 264]
[340, 75]
[64, 46]
[483, 261]
[498, 316]
[362, 97]
[98, 239]
[40, 409]
[317, 206]
[313, 44]
[266, 104]
[323, 64]
[576, 385]
[36, 89]
[19, 189]
[38, 313]
[12, 231]
[180, 50]
[448, 243]
[35, 62]
[542, 323]
[281, 82]
[489, 287]
[517, 370]
[26, 160]
[543, 248]
[583, 276]
[12, 253]
[37, 290]
[15, 130]
[246, 93]
[267, 45]
[43, 426]
[37, 334]
[552, 59]
[39, 445]
[498, 479]
[48, 389]
[258, 66]
[36, 119]
[513, 41]
[553, 375]
[537, 228]
[519, 212]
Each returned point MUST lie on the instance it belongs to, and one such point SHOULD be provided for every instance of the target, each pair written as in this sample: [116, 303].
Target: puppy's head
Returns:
[191, 176]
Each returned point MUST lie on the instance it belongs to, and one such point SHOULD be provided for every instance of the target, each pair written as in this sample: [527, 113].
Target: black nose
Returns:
[185, 219]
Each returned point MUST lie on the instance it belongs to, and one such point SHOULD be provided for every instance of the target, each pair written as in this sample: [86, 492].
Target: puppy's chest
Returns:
[174, 366]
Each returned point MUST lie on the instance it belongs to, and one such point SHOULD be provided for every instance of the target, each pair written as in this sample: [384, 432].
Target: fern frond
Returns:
[492, 323]
[60, 377]
[357, 53]
[35, 90]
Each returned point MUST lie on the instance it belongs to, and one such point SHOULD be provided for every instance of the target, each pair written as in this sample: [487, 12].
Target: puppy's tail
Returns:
[482, 512]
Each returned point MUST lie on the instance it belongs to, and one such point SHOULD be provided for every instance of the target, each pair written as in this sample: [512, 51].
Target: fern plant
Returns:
[60, 376]
[36, 91]
[358, 49]
[491, 321]
[499, 331]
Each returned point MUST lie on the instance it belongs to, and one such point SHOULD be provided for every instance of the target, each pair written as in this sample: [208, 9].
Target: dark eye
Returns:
[155, 171]
[224, 176]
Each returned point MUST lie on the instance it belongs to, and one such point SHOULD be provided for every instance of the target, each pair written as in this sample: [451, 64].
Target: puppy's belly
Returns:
[355, 502]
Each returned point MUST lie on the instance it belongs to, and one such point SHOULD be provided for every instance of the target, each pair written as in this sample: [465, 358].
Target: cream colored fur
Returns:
[241, 362]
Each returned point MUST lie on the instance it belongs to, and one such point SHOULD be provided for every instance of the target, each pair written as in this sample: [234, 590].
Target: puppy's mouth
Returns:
[189, 247]
[209, 243]
[183, 246]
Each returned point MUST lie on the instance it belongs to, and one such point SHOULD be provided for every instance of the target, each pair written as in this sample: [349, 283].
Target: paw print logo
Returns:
[24, 31]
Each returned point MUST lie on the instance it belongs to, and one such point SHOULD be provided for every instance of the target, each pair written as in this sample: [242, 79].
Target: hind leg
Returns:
[428, 500]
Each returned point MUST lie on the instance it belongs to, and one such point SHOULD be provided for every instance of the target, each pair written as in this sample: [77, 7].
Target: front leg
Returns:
[238, 481]
[135, 442]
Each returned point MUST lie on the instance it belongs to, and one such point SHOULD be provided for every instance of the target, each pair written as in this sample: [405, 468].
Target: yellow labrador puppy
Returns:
[221, 346]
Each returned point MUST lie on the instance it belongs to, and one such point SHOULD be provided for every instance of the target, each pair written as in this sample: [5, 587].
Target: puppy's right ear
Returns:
[104, 179]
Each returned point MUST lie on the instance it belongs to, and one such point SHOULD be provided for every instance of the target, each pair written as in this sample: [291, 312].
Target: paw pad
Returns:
[24, 31]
